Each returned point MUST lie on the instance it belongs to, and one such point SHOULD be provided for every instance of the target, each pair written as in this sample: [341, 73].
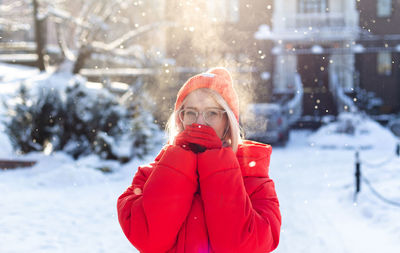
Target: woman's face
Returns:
[200, 101]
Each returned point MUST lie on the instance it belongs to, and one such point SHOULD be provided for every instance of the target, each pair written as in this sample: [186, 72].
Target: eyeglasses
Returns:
[210, 116]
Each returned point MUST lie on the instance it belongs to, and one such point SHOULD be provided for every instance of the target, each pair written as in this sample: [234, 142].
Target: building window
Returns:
[384, 63]
[312, 6]
[383, 8]
[223, 10]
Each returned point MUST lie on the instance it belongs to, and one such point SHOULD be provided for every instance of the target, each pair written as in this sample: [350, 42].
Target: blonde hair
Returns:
[234, 136]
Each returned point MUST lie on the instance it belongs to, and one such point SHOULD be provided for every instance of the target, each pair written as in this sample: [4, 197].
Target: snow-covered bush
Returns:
[368, 101]
[353, 131]
[81, 121]
[35, 123]
[347, 123]
[145, 134]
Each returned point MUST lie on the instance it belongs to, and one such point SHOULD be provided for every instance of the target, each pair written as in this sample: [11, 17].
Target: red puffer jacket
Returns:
[214, 201]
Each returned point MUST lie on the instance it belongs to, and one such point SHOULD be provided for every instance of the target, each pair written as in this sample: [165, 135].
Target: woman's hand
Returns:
[198, 138]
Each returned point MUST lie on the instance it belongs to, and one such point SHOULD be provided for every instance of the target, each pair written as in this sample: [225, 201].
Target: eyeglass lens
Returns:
[211, 116]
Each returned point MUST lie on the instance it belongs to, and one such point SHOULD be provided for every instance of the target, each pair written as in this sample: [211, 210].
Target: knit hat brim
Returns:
[217, 79]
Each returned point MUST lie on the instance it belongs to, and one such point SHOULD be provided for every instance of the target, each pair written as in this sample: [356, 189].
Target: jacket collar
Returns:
[254, 158]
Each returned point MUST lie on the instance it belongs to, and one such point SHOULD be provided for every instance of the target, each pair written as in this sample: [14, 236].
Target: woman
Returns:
[207, 190]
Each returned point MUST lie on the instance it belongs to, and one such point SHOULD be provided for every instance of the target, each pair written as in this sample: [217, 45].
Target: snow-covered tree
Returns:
[95, 32]
[107, 31]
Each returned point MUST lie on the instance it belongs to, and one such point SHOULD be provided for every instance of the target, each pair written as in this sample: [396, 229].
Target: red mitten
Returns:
[198, 138]
[182, 139]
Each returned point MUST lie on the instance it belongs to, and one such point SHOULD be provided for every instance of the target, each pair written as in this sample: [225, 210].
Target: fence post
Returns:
[398, 149]
[358, 175]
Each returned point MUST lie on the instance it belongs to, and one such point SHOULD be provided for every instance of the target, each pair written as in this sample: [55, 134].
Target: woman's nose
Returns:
[200, 119]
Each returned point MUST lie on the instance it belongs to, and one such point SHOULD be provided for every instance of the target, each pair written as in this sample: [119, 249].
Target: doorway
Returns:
[317, 100]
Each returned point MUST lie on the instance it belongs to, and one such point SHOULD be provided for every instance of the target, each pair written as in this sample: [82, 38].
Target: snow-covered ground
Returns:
[316, 187]
[62, 205]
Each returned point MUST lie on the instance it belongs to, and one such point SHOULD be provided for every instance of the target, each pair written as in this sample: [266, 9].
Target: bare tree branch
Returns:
[68, 17]
[63, 45]
[4, 8]
[13, 25]
[130, 35]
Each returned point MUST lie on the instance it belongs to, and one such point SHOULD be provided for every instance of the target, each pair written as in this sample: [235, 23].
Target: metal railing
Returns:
[360, 177]
[317, 20]
[344, 102]
[294, 107]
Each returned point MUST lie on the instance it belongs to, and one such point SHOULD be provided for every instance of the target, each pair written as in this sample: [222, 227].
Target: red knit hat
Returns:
[217, 79]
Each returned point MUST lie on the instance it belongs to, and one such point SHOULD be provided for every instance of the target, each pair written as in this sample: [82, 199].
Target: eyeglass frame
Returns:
[222, 111]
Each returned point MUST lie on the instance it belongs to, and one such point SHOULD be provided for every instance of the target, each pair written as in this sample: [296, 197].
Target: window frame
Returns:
[312, 6]
[384, 8]
[384, 63]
